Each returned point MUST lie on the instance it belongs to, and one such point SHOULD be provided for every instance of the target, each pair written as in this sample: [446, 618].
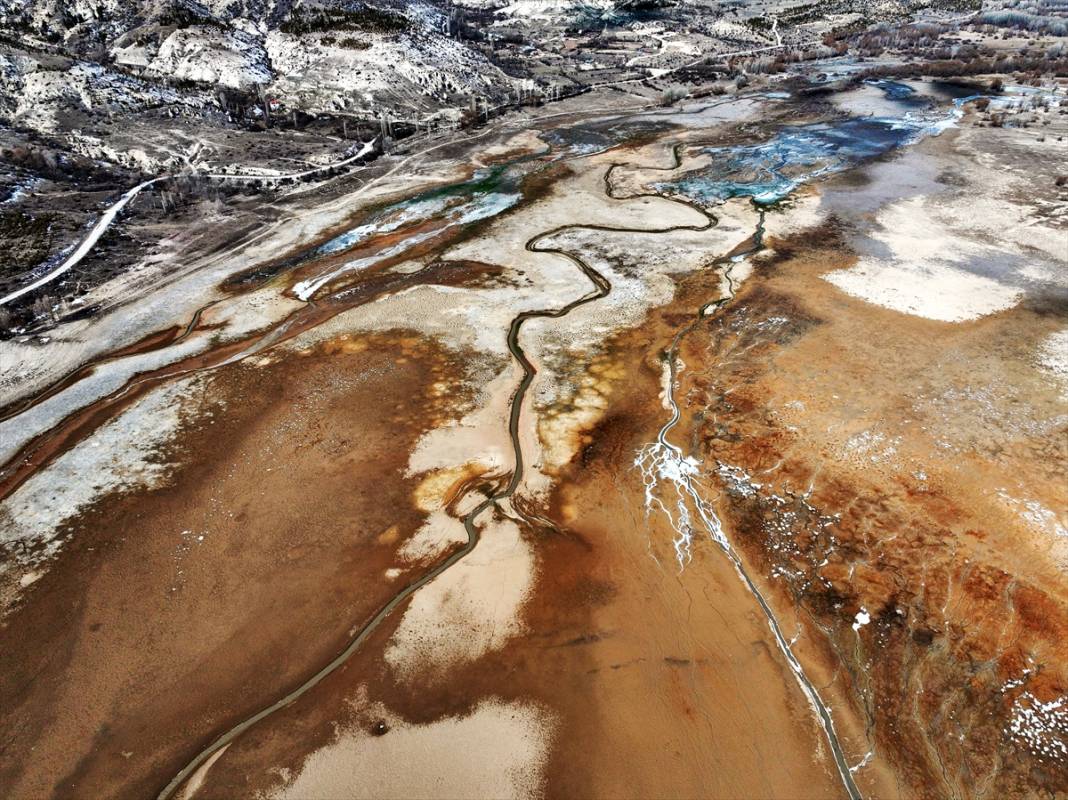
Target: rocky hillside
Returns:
[60, 59]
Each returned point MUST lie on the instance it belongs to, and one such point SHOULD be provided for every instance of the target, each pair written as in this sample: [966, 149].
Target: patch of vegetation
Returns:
[639, 6]
[180, 15]
[352, 43]
[1027, 20]
[347, 42]
[24, 241]
[672, 96]
[360, 18]
[798, 15]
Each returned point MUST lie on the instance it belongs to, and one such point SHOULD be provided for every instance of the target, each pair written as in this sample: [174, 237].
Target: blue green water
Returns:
[896, 91]
[770, 171]
[766, 172]
[487, 193]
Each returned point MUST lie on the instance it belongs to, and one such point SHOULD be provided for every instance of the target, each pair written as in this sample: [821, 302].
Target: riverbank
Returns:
[265, 512]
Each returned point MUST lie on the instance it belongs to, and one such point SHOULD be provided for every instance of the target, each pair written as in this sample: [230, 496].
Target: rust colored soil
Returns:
[176, 611]
[662, 684]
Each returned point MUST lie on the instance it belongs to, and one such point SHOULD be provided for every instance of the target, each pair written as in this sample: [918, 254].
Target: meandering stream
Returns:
[766, 173]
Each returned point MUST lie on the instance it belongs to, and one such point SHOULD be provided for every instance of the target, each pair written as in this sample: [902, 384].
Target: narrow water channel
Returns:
[663, 464]
[766, 173]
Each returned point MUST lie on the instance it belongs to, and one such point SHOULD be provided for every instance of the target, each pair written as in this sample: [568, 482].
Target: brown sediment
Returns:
[258, 557]
[42, 450]
[863, 490]
[671, 717]
[154, 341]
[638, 664]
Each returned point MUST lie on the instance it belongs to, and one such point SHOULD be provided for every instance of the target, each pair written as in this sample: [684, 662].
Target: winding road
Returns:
[111, 212]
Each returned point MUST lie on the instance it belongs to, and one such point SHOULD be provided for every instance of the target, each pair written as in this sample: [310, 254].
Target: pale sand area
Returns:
[471, 609]
[435, 537]
[497, 751]
[706, 114]
[1052, 357]
[524, 141]
[924, 272]
[481, 435]
[867, 100]
[479, 317]
[941, 249]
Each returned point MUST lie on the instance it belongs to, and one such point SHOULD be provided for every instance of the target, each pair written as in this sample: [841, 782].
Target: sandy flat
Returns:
[496, 751]
[924, 271]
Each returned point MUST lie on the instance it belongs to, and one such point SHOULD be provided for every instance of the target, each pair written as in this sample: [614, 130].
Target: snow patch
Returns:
[1041, 727]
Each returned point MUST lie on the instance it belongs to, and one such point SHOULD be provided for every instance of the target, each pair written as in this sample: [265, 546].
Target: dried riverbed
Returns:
[452, 485]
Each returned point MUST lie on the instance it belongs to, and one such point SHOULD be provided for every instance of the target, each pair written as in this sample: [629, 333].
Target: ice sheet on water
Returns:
[771, 170]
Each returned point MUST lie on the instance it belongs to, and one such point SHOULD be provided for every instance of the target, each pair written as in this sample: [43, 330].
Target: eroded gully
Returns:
[664, 461]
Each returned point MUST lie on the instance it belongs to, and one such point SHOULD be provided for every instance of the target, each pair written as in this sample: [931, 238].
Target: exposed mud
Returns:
[258, 563]
[394, 542]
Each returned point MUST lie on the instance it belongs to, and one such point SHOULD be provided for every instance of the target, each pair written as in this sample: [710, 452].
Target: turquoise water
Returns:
[770, 171]
[766, 172]
[487, 193]
[894, 90]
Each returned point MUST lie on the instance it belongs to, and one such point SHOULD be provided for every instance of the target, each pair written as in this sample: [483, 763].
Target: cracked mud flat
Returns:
[323, 572]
